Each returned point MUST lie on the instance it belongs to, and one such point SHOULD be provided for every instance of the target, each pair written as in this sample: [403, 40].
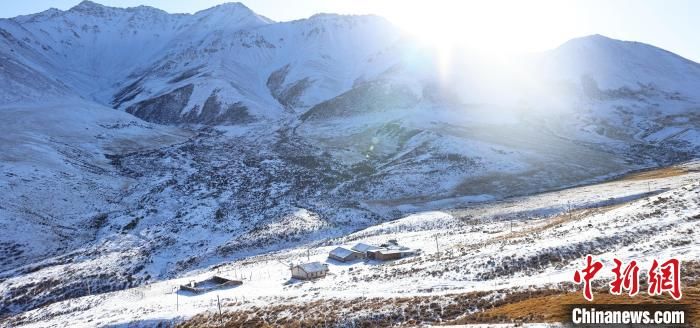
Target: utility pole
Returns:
[324, 316]
[308, 254]
[437, 246]
[221, 319]
[177, 299]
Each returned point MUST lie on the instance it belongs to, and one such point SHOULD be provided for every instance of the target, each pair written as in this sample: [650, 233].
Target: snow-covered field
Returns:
[518, 243]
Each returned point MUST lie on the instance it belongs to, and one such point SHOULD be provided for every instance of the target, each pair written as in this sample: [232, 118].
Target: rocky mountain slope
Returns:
[143, 145]
[221, 65]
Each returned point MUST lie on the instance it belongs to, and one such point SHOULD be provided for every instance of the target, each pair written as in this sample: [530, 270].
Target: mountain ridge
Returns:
[189, 46]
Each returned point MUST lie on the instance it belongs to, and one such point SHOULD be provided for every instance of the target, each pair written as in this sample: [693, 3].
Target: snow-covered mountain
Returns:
[602, 64]
[133, 134]
[225, 64]
[229, 65]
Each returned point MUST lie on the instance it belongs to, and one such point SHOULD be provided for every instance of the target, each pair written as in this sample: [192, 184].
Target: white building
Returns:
[311, 270]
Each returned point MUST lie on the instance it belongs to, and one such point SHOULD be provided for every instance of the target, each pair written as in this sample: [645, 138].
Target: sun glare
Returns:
[490, 27]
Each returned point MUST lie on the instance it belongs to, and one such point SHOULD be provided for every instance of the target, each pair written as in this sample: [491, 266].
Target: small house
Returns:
[391, 250]
[215, 282]
[308, 271]
[343, 254]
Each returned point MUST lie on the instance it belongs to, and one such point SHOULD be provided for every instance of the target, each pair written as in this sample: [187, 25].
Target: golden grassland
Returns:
[553, 308]
[666, 172]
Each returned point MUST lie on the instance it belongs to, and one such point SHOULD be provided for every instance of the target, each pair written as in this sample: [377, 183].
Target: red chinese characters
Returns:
[627, 279]
[589, 273]
[665, 278]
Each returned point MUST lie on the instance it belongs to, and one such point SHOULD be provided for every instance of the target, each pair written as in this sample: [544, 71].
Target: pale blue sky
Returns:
[513, 26]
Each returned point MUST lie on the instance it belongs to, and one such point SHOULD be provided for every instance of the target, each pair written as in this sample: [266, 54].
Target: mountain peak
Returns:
[233, 5]
[593, 38]
[92, 8]
[596, 42]
[234, 11]
[228, 7]
[87, 5]
[598, 37]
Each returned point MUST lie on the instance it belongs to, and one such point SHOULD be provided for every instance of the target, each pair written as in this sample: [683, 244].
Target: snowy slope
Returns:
[227, 58]
[611, 65]
[268, 70]
[93, 47]
[518, 245]
[56, 175]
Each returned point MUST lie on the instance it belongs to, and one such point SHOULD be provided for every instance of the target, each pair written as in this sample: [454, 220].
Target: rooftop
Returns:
[361, 247]
[342, 252]
[313, 267]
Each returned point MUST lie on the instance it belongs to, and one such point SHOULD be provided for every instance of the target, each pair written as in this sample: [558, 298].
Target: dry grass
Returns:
[656, 173]
[574, 215]
[542, 226]
[542, 305]
[552, 307]
[359, 312]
